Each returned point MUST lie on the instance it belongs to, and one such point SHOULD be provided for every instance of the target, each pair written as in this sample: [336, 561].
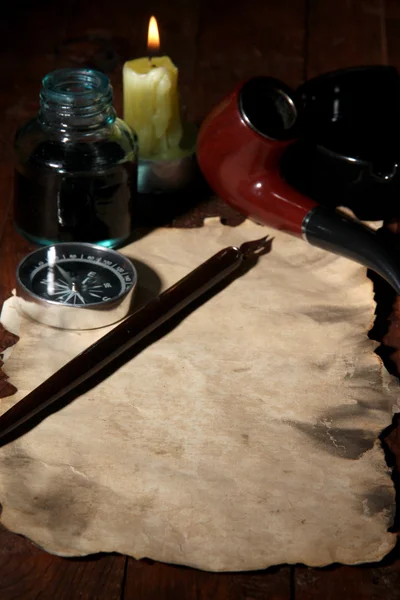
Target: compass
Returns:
[75, 285]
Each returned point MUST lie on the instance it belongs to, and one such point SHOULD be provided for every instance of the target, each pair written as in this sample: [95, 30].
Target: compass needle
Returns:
[64, 273]
[95, 283]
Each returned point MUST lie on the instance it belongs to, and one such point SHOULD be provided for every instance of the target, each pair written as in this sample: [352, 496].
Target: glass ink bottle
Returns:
[76, 171]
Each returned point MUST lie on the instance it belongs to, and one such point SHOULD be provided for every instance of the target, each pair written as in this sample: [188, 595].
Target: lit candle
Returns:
[151, 102]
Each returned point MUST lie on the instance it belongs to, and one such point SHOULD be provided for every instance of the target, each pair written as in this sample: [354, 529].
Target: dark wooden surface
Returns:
[215, 43]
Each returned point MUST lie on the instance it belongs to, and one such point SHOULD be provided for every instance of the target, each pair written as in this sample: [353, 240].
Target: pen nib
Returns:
[257, 247]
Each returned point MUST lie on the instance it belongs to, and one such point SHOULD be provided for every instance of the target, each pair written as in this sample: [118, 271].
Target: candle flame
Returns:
[153, 37]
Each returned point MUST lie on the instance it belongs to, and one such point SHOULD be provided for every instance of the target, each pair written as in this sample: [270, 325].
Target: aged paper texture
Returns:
[244, 437]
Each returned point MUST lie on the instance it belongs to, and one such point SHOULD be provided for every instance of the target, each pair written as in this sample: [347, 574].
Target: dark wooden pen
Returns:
[129, 332]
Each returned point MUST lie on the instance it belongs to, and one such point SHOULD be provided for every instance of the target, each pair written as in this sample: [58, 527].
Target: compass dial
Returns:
[76, 275]
[83, 282]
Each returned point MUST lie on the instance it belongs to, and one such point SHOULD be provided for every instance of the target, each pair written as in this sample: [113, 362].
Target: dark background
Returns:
[215, 44]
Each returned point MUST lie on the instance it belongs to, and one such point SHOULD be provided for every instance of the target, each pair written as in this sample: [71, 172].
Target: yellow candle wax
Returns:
[151, 105]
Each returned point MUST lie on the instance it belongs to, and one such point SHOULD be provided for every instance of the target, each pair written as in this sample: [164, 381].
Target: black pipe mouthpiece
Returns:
[338, 234]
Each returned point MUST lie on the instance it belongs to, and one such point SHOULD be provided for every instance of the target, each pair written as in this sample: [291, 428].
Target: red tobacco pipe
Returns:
[239, 150]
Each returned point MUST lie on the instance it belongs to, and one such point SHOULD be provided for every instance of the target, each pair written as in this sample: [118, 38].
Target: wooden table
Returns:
[215, 43]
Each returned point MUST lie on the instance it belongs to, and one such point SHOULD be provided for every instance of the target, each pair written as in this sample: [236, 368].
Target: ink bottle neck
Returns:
[76, 101]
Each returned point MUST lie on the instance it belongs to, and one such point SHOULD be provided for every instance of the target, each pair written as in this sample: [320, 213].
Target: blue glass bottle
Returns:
[76, 171]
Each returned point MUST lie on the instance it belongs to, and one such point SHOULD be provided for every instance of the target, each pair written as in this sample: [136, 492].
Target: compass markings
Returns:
[78, 283]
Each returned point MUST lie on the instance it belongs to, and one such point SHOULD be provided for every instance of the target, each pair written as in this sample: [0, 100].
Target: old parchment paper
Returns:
[245, 437]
